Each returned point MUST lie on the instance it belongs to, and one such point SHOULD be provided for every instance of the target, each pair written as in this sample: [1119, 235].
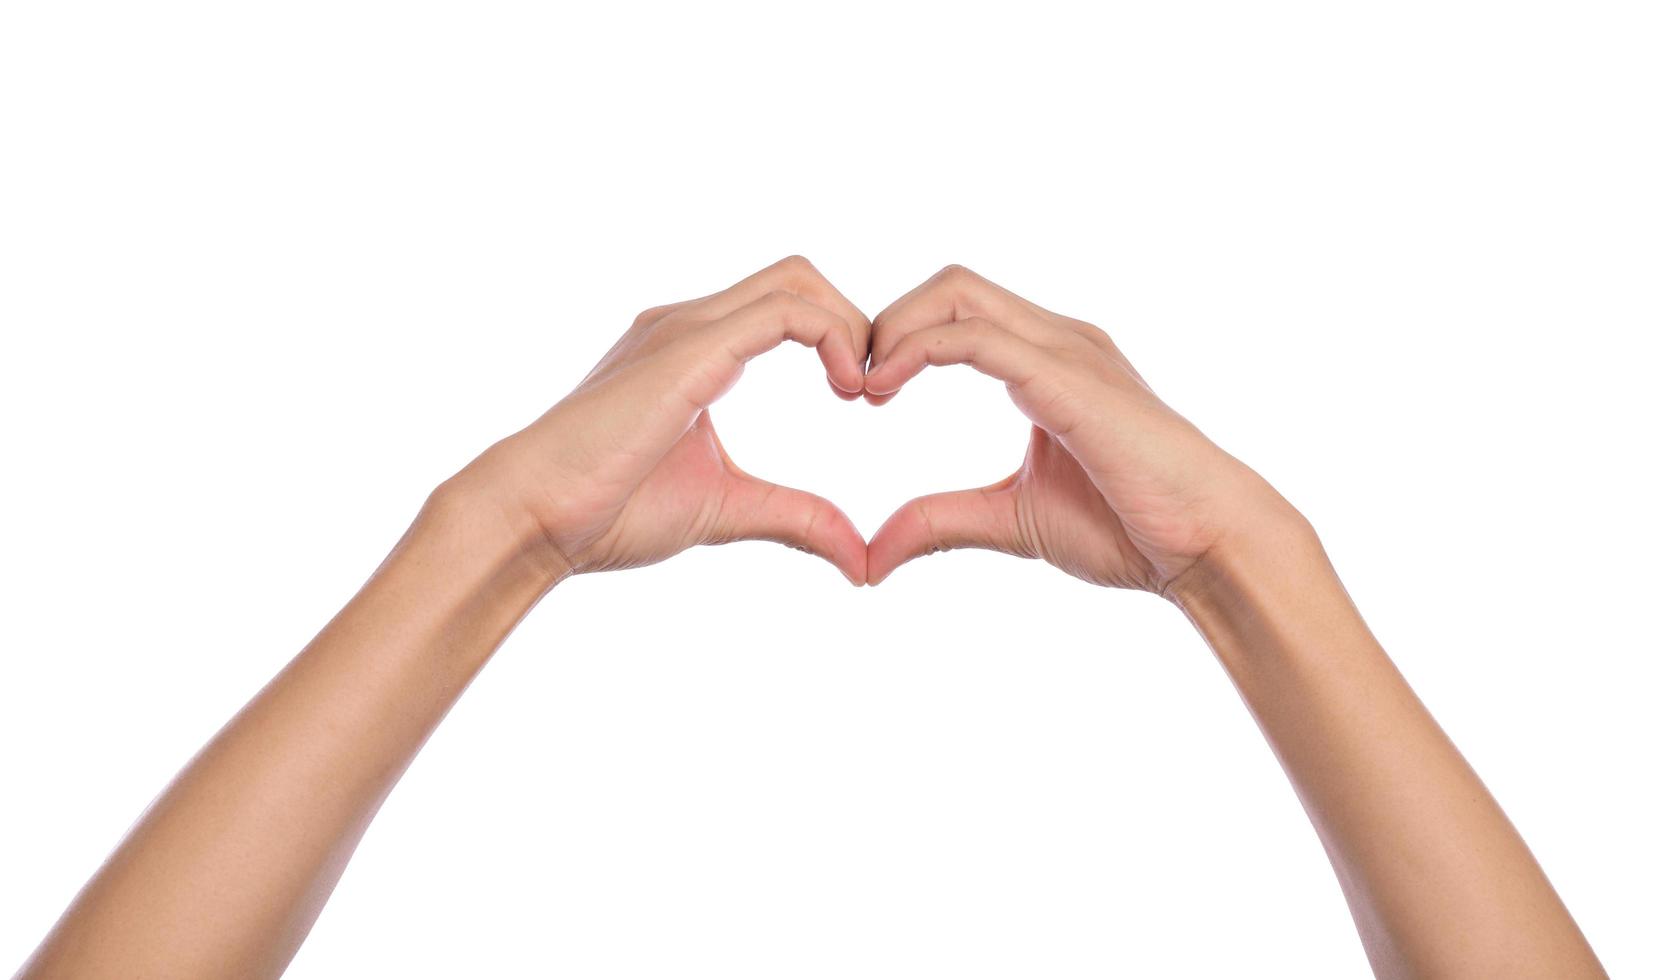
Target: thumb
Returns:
[982, 518]
[757, 510]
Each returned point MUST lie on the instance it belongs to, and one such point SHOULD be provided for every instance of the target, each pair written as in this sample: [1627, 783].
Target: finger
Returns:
[654, 400]
[777, 316]
[975, 341]
[956, 293]
[756, 510]
[794, 274]
[982, 518]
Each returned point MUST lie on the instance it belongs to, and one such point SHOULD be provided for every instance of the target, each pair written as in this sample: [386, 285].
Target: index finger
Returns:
[794, 274]
[955, 293]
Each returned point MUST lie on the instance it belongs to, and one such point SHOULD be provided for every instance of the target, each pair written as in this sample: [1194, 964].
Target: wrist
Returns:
[1274, 548]
[1268, 599]
[481, 530]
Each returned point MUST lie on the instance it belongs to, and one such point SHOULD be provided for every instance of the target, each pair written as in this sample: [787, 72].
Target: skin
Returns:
[228, 869]
[1118, 489]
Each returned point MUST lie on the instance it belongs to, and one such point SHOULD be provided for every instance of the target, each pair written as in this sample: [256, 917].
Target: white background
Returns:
[269, 272]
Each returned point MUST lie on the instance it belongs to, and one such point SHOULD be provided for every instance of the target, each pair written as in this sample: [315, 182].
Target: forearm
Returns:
[228, 869]
[1438, 880]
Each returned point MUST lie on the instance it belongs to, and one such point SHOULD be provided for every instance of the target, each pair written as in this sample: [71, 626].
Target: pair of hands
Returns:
[226, 872]
[1116, 488]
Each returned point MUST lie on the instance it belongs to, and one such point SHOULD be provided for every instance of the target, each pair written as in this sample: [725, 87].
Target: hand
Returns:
[627, 470]
[1116, 488]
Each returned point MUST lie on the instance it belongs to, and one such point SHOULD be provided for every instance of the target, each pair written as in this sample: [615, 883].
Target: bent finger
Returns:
[711, 358]
[794, 274]
[956, 293]
[976, 341]
[764, 323]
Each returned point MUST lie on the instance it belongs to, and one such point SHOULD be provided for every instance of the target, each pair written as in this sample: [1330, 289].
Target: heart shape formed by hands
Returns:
[1115, 488]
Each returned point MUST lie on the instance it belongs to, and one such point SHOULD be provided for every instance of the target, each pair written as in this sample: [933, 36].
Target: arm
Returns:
[1119, 490]
[1437, 878]
[228, 869]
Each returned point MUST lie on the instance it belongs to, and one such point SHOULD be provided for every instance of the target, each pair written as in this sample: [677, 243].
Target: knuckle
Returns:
[652, 314]
[796, 265]
[955, 274]
[1094, 333]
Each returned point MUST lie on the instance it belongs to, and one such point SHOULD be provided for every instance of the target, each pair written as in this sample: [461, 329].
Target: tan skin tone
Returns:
[1119, 490]
[226, 872]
